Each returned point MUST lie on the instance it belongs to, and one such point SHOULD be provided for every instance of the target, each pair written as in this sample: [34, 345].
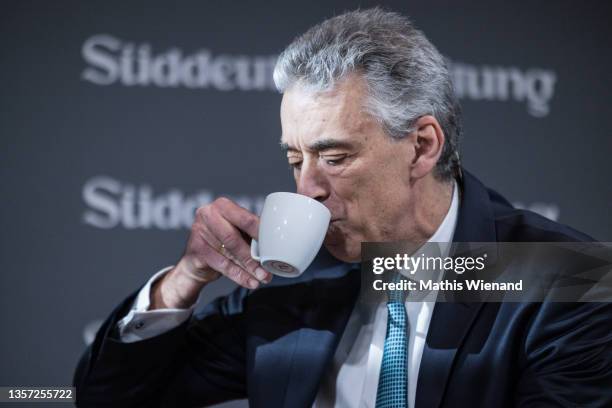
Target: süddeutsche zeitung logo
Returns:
[111, 60]
[114, 61]
[111, 203]
[115, 204]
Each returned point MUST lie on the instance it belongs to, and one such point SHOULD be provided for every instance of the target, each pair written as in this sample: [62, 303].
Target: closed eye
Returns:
[295, 165]
[334, 160]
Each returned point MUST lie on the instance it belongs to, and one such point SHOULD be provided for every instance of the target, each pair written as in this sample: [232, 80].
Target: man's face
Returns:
[341, 157]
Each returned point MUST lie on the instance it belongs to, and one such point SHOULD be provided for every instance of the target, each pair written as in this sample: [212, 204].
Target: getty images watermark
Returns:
[488, 272]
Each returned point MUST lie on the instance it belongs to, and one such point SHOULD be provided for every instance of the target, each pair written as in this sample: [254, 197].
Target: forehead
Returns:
[308, 117]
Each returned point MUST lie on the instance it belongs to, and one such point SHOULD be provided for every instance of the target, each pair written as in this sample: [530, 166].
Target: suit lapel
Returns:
[317, 341]
[300, 336]
[451, 322]
[449, 325]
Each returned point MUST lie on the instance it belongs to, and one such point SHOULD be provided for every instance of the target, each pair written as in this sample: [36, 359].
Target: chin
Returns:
[343, 250]
[340, 246]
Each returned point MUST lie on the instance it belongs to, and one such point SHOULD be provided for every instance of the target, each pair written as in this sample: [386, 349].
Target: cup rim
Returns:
[301, 196]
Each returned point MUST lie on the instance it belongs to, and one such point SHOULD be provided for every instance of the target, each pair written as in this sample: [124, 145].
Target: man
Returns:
[370, 126]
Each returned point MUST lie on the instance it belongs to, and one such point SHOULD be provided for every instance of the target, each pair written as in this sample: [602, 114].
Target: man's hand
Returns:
[216, 247]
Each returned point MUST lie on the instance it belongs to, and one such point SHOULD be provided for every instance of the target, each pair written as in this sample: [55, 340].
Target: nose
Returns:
[312, 182]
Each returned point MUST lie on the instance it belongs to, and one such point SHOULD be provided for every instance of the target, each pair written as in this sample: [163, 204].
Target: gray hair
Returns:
[405, 74]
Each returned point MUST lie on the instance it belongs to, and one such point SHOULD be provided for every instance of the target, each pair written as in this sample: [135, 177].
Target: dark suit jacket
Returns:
[272, 345]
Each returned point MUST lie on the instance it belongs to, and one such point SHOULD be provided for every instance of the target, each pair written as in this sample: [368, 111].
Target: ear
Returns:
[428, 144]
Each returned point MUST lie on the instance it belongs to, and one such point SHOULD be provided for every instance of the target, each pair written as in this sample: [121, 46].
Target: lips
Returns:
[333, 224]
[333, 227]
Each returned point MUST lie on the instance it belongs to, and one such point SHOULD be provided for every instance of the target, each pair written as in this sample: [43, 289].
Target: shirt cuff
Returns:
[141, 323]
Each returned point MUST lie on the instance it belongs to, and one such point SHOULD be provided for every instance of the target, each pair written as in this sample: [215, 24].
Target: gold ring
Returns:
[222, 249]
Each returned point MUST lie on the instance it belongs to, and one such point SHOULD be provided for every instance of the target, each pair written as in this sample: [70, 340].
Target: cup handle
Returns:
[255, 250]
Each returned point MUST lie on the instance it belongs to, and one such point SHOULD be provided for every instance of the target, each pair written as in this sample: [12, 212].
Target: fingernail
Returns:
[260, 273]
[253, 283]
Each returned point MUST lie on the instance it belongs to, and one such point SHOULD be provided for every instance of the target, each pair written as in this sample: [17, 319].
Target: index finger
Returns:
[239, 217]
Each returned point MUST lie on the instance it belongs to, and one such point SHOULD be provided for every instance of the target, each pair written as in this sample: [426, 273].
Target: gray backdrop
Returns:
[118, 119]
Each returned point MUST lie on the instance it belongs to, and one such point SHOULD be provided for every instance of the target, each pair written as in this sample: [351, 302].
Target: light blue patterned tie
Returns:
[393, 381]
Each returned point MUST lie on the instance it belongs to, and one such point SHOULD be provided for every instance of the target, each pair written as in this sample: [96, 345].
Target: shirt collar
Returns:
[443, 237]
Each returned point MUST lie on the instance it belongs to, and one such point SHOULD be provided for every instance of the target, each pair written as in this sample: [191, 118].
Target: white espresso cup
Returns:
[291, 230]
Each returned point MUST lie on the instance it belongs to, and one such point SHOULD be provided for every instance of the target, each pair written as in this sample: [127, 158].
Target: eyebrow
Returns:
[320, 145]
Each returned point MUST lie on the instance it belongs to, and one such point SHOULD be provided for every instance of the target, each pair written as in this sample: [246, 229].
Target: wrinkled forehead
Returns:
[309, 118]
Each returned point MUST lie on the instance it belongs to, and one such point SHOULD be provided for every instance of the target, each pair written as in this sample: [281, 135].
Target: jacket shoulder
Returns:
[513, 224]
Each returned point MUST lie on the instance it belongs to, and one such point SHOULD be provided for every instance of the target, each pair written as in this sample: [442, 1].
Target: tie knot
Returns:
[395, 296]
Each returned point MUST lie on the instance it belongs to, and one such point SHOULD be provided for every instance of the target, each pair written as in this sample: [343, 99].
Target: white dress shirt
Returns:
[352, 380]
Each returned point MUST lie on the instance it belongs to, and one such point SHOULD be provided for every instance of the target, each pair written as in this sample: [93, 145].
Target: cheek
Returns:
[355, 201]
[344, 197]
[370, 204]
